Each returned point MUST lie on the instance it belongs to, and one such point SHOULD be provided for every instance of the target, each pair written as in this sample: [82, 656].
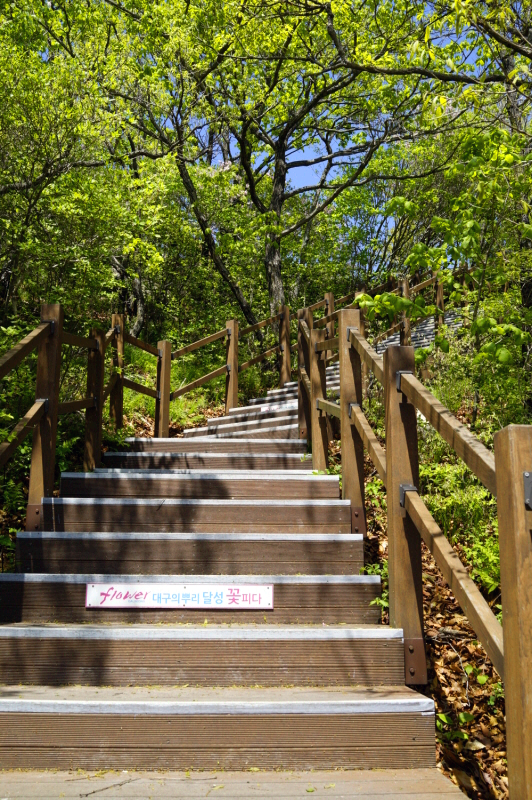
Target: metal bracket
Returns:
[34, 517]
[228, 367]
[159, 353]
[349, 329]
[158, 394]
[228, 330]
[281, 348]
[398, 377]
[527, 477]
[51, 323]
[117, 330]
[403, 489]
[350, 407]
[415, 662]
[46, 403]
[358, 520]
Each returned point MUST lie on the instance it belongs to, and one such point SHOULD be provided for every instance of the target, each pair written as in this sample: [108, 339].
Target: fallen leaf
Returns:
[465, 780]
[475, 745]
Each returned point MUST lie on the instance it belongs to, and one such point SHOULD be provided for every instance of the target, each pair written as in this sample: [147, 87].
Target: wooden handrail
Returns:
[189, 348]
[345, 299]
[258, 358]
[306, 331]
[371, 443]
[321, 323]
[330, 408]
[477, 457]
[138, 387]
[17, 353]
[305, 381]
[327, 344]
[199, 382]
[78, 341]
[76, 405]
[110, 336]
[259, 325]
[332, 359]
[21, 430]
[148, 348]
[110, 386]
[368, 355]
[482, 619]
[317, 305]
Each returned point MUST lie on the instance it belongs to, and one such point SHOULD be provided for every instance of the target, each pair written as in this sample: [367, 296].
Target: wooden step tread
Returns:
[298, 599]
[200, 460]
[256, 414]
[281, 431]
[189, 553]
[197, 485]
[271, 405]
[211, 444]
[196, 515]
[262, 423]
[198, 472]
[407, 784]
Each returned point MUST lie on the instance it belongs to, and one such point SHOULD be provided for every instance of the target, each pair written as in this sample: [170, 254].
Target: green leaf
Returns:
[482, 679]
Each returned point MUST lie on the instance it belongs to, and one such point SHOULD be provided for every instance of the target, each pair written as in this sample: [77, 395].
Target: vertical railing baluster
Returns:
[231, 380]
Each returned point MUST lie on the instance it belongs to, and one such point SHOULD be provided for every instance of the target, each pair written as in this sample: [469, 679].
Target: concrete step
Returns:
[251, 425]
[209, 444]
[206, 460]
[190, 553]
[298, 599]
[196, 516]
[284, 432]
[216, 655]
[226, 486]
[256, 413]
[205, 728]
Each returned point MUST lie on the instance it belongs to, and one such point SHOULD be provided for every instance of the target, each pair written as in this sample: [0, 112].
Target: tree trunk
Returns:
[272, 254]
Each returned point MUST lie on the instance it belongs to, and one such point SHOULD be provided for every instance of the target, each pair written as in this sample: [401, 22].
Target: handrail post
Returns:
[362, 329]
[318, 391]
[439, 303]
[303, 401]
[513, 469]
[93, 416]
[284, 346]
[116, 399]
[329, 328]
[352, 444]
[45, 433]
[405, 333]
[404, 542]
[162, 403]
[231, 380]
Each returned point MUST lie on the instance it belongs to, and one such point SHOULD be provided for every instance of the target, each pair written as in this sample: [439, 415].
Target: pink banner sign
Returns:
[198, 596]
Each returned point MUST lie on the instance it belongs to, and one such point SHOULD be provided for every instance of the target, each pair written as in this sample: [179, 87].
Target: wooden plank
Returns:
[18, 353]
[110, 336]
[352, 446]
[306, 331]
[162, 400]
[423, 285]
[326, 345]
[116, 402]
[45, 433]
[398, 326]
[324, 321]
[139, 387]
[198, 516]
[303, 368]
[330, 408]
[305, 382]
[371, 443]
[329, 330]
[189, 554]
[189, 348]
[405, 336]
[213, 445]
[473, 604]
[73, 340]
[477, 457]
[257, 359]
[209, 460]
[261, 324]
[199, 382]
[319, 304]
[148, 348]
[230, 487]
[298, 598]
[93, 415]
[21, 430]
[75, 405]
[305, 659]
[245, 425]
[513, 458]
[284, 344]
[318, 391]
[109, 388]
[404, 543]
[368, 355]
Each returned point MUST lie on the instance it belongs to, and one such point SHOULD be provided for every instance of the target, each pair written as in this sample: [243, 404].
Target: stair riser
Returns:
[216, 461]
[311, 603]
[201, 663]
[211, 445]
[197, 519]
[312, 488]
[231, 427]
[274, 741]
[160, 557]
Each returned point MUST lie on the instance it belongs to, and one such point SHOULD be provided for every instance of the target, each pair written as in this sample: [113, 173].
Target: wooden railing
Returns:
[48, 338]
[506, 474]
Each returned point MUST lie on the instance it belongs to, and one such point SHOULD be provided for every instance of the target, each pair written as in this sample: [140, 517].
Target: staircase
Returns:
[314, 683]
